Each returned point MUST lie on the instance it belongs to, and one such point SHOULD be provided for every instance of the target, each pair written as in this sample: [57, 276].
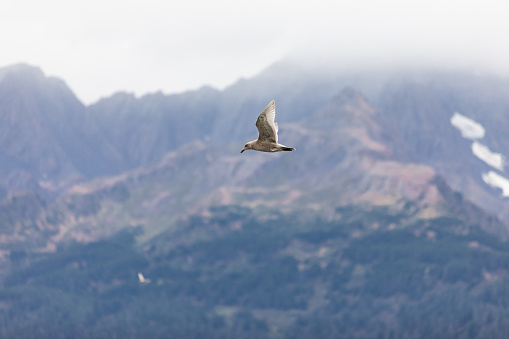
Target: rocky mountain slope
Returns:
[45, 138]
[51, 141]
[341, 161]
[417, 122]
[380, 218]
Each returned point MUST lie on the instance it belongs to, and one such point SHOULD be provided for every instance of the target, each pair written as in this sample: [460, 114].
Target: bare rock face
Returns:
[415, 117]
[45, 141]
[341, 160]
[153, 161]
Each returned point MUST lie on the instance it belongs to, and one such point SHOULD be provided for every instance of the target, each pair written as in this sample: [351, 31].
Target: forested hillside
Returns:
[371, 273]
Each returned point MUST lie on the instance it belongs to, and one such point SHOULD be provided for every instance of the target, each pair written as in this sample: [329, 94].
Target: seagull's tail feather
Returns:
[288, 149]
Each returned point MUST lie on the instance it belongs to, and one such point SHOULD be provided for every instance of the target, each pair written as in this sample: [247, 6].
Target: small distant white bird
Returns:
[142, 279]
[267, 133]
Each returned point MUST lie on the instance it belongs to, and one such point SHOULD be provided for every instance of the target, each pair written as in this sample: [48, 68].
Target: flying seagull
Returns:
[267, 133]
[142, 279]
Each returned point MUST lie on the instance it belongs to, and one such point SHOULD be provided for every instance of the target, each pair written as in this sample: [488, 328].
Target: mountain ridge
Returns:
[377, 226]
[134, 132]
[351, 167]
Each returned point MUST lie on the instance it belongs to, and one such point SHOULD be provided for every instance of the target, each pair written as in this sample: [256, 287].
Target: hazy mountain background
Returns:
[379, 225]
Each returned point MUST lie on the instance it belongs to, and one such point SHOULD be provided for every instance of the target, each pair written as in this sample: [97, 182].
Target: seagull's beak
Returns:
[242, 150]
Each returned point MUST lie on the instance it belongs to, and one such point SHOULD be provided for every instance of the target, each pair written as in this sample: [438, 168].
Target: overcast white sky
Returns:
[103, 46]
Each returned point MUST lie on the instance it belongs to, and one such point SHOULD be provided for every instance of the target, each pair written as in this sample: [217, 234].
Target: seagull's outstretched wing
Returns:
[267, 128]
[142, 279]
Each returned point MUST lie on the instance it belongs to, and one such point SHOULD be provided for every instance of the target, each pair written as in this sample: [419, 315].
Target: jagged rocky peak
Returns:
[349, 95]
[22, 79]
[344, 141]
[45, 133]
[346, 110]
[21, 71]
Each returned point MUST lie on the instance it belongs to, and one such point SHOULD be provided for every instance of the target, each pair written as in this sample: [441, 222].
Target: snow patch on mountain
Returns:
[495, 160]
[469, 128]
[473, 130]
[497, 181]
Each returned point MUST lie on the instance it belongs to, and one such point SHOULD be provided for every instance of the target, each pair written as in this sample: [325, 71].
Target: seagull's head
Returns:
[247, 146]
